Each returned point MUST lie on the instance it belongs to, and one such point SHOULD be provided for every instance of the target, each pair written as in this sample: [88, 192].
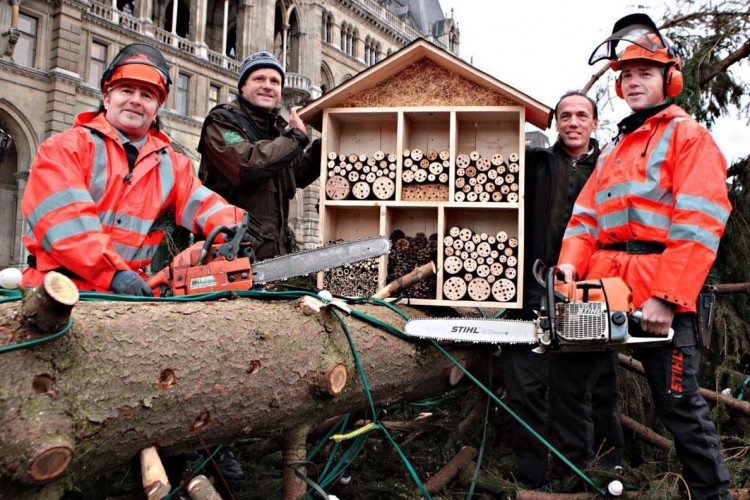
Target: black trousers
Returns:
[672, 377]
[525, 374]
[584, 422]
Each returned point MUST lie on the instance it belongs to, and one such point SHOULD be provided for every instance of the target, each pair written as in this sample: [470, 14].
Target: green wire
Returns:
[263, 294]
[521, 421]
[31, 343]
[358, 363]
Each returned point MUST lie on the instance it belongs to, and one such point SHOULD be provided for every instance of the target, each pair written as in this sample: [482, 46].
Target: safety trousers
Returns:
[672, 377]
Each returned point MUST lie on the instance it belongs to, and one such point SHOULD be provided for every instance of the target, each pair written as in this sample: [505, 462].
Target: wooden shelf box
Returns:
[444, 172]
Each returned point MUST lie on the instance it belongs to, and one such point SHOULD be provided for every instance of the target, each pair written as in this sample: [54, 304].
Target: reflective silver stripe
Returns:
[107, 217]
[622, 217]
[193, 205]
[98, 181]
[649, 190]
[604, 153]
[127, 222]
[581, 210]
[580, 229]
[166, 174]
[133, 254]
[208, 213]
[57, 200]
[692, 232]
[72, 227]
[701, 204]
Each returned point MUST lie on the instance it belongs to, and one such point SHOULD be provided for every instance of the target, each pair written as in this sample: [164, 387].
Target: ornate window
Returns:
[25, 51]
[181, 100]
[97, 63]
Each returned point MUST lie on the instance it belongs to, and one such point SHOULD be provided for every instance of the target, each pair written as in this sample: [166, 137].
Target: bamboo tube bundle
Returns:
[479, 266]
[359, 279]
[408, 253]
[361, 177]
[481, 180]
[424, 176]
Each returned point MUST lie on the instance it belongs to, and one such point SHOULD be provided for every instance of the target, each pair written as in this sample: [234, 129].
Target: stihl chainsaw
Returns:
[585, 316]
[210, 267]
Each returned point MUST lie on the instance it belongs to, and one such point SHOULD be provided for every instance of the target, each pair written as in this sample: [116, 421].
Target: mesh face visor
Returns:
[139, 53]
[637, 29]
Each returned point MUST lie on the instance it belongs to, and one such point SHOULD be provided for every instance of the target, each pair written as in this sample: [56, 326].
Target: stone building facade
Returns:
[53, 53]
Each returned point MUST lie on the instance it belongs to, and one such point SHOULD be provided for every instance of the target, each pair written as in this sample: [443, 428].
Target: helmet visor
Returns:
[635, 28]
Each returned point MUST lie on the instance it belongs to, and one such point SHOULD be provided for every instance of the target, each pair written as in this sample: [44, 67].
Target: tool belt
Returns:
[636, 246]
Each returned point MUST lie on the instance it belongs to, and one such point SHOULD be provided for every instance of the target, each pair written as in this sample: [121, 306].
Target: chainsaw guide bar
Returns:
[319, 259]
[474, 330]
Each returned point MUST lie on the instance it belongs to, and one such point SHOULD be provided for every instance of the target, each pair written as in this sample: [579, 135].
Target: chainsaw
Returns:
[586, 315]
[209, 266]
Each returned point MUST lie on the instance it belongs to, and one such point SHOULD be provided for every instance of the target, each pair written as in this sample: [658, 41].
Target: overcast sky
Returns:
[542, 47]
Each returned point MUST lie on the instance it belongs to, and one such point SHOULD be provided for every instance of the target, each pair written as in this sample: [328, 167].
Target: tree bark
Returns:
[130, 375]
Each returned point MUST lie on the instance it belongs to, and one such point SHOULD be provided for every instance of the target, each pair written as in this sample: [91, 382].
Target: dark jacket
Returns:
[553, 181]
[251, 158]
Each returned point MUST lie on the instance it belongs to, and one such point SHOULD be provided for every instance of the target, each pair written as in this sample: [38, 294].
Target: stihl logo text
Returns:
[464, 329]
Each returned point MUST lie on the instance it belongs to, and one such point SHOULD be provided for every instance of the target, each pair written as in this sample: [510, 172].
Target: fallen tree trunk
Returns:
[130, 375]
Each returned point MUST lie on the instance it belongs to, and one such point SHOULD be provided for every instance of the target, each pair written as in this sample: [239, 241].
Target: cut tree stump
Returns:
[153, 476]
[130, 375]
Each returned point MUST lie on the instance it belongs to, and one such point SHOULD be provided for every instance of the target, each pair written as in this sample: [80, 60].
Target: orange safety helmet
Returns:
[664, 56]
[142, 63]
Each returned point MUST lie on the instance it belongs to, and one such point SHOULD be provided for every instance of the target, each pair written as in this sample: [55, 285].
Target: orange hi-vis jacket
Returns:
[663, 182]
[86, 214]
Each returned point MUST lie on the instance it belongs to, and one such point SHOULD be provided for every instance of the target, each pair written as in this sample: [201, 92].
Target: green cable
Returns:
[475, 476]
[521, 421]
[365, 385]
[195, 472]
[31, 343]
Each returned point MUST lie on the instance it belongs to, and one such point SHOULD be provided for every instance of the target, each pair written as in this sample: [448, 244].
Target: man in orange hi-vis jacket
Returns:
[653, 213]
[97, 192]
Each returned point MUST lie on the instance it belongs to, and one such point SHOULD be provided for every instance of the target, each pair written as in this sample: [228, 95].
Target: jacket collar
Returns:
[638, 118]
[262, 118]
[95, 120]
[559, 148]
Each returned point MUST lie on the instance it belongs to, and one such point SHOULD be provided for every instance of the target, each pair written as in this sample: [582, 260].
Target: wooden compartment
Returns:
[421, 239]
[486, 267]
[351, 223]
[364, 135]
[425, 155]
[484, 131]
[495, 137]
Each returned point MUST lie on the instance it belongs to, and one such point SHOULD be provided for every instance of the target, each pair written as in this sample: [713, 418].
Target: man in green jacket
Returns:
[255, 158]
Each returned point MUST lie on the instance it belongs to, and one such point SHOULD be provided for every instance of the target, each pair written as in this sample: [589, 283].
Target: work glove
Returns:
[130, 283]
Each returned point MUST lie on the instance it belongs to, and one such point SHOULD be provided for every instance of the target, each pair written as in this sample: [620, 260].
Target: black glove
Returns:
[130, 283]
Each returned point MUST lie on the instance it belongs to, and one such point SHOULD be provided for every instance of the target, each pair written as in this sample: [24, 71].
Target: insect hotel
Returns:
[428, 151]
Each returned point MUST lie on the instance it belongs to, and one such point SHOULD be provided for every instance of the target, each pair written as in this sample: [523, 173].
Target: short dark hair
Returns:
[570, 93]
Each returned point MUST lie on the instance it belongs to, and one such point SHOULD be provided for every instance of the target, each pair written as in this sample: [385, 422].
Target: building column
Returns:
[199, 10]
[244, 29]
[143, 11]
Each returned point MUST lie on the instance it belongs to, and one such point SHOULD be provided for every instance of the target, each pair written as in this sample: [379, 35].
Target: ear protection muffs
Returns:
[673, 82]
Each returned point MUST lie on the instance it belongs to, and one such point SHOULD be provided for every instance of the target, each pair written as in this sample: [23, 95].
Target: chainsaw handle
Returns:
[637, 316]
[210, 241]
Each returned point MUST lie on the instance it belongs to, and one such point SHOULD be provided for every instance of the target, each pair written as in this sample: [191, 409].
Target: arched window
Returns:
[368, 51]
[183, 18]
[353, 46]
[326, 78]
[327, 33]
[344, 36]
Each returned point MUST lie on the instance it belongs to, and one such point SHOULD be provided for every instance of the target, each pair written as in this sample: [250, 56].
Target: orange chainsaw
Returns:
[209, 266]
[585, 315]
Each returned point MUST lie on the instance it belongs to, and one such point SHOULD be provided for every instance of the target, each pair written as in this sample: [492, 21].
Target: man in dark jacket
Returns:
[255, 158]
[554, 177]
